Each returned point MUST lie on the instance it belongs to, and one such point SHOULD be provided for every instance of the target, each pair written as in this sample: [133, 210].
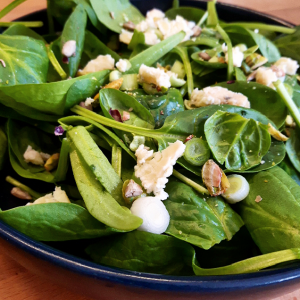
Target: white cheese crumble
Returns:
[69, 48]
[266, 76]
[89, 101]
[142, 26]
[216, 96]
[237, 55]
[155, 216]
[123, 65]
[125, 36]
[101, 62]
[35, 157]
[155, 13]
[153, 169]
[154, 75]
[151, 37]
[288, 65]
[57, 196]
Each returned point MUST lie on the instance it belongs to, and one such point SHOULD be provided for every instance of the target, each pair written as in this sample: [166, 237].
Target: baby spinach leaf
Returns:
[293, 82]
[60, 10]
[261, 98]
[137, 38]
[239, 34]
[25, 58]
[55, 222]
[144, 252]
[252, 264]
[47, 98]
[149, 56]
[287, 166]
[188, 13]
[96, 161]
[202, 41]
[19, 29]
[239, 74]
[163, 106]
[98, 201]
[200, 221]
[112, 13]
[289, 45]
[238, 142]
[74, 29]
[94, 47]
[293, 149]
[274, 221]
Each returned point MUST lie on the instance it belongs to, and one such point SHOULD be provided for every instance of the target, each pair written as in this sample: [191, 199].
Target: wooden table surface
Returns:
[17, 283]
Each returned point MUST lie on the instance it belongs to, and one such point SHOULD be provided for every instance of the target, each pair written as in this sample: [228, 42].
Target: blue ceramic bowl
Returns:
[59, 262]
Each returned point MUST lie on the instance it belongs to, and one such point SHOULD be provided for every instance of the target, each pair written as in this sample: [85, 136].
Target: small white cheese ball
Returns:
[266, 76]
[288, 65]
[155, 216]
[33, 156]
[238, 190]
[125, 36]
[154, 75]
[69, 48]
[101, 62]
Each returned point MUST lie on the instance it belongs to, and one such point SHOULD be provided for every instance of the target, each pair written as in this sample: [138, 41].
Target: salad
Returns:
[168, 143]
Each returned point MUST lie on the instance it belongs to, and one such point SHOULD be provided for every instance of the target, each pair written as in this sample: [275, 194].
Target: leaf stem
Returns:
[55, 62]
[251, 264]
[116, 159]
[191, 183]
[203, 19]
[262, 26]
[27, 24]
[23, 187]
[10, 7]
[290, 104]
[230, 68]
[212, 18]
[182, 52]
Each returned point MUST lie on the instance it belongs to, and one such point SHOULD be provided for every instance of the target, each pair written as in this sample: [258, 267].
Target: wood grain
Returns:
[17, 283]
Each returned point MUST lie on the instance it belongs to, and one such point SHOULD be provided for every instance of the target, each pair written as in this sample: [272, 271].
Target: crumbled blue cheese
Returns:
[89, 101]
[69, 48]
[101, 62]
[266, 76]
[57, 196]
[125, 36]
[35, 157]
[153, 212]
[216, 96]
[237, 55]
[156, 76]
[153, 169]
[151, 37]
[288, 65]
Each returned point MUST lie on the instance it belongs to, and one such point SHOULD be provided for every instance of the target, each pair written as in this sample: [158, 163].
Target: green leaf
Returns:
[163, 106]
[289, 45]
[137, 38]
[112, 13]
[18, 29]
[47, 98]
[238, 142]
[149, 56]
[188, 13]
[3, 148]
[98, 201]
[261, 98]
[273, 222]
[288, 167]
[239, 34]
[144, 252]
[74, 29]
[200, 221]
[25, 58]
[293, 149]
[214, 65]
[55, 222]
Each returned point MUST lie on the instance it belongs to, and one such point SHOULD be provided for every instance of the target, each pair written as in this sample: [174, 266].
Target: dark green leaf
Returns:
[144, 252]
[3, 148]
[112, 13]
[55, 222]
[25, 58]
[238, 142]
[273, 222]
[287, 166]
[188, 13]
[293, 149]
[200, 221]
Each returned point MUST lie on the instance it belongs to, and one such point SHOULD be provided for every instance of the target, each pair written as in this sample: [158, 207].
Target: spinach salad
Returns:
[169, 142]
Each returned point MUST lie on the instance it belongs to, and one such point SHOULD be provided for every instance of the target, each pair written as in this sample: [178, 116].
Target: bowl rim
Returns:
[156, 282]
